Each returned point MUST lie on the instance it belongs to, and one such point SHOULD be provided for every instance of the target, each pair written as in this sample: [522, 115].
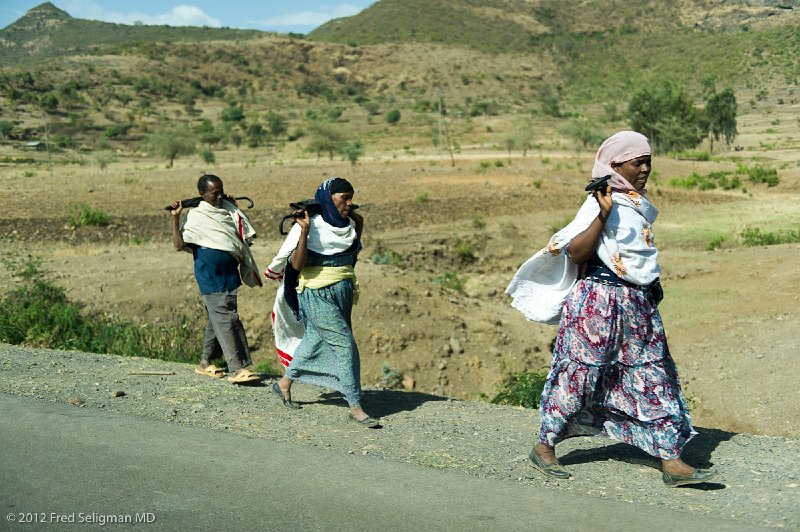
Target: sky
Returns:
[296, 16]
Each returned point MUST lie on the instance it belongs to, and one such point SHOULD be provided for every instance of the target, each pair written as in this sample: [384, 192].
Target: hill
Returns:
[523, 25]
[47, 31]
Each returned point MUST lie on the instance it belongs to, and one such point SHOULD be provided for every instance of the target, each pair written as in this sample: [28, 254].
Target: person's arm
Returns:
[301, 251]
[177, 236]
[583, 246]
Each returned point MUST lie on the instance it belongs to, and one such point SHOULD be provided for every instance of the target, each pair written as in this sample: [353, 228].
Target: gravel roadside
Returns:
[758, 481]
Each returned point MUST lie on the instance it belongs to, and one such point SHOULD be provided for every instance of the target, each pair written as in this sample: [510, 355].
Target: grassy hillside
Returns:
[46, 31]
[521, 25]
[95, 87]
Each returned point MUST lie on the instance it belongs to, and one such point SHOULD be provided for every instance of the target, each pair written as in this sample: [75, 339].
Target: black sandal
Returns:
[276, 389]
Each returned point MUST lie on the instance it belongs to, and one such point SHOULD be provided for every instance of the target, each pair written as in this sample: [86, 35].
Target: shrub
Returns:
[393, 116]
[80, 214]
[464, 251]
[710, 181]
[38, 313]
[523, 389]
[715, 243]
[208, 156]
[390, 378]
[753, 236]
[386, 256]
[762, 174]
[450, 280]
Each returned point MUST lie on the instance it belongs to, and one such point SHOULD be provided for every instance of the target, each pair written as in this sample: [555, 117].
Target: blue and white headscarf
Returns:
[324, 198]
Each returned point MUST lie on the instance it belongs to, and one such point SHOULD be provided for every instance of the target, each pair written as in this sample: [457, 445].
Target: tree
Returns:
[324, 138]
[352, 151]
[276, 124]
[720, 115]
[668, 117]
[523, 134]
[583, 131]
[104, 158]
[232, 114]
[510, 142]
[49, 102]
[6, 128]
[170, 144]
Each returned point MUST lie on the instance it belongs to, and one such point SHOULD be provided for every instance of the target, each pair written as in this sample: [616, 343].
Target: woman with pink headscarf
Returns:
[598, 278]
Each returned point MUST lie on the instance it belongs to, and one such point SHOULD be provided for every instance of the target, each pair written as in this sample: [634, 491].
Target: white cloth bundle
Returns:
[626, 246]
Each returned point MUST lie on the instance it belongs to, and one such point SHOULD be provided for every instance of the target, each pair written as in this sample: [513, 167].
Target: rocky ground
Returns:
[758, 482]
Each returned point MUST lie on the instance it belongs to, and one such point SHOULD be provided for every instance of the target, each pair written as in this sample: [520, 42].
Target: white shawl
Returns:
[224, 229]
[626, 246]
[323, 238]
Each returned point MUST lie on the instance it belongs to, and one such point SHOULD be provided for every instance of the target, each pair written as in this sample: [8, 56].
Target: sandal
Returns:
[210, 371]
[276, 389]
[244, 376]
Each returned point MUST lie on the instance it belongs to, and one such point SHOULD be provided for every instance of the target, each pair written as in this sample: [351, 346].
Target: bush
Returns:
[80, 214]
[715, 243]
[710, 181]
[523, 389]
[39, 314]
[464, 251]
[393, 116]
[450, 280]
[208, 156]
[753, 236]
[386, 256]
[762, 174]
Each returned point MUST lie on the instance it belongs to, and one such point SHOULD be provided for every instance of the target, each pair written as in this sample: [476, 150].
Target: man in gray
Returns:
[218, 235]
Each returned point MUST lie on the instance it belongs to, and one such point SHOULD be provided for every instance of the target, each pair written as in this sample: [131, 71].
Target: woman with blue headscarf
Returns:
[321, 251]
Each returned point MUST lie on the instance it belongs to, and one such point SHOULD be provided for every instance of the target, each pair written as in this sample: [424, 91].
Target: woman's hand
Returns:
[301, 218]
[605, 201]
[583, 246]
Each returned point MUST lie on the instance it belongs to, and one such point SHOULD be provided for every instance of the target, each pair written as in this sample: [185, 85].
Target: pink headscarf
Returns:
[618, 148]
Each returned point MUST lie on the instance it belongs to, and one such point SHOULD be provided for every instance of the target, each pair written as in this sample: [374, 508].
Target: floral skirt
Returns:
[612, 374]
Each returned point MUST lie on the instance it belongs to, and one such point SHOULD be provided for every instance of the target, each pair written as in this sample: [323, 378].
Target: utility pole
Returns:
[446, 129]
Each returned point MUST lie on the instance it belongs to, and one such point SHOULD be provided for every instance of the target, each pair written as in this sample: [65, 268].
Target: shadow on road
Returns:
[382, 403]
[696, 453]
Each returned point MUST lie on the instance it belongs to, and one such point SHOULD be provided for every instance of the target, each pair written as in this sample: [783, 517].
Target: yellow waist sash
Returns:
[315, 277]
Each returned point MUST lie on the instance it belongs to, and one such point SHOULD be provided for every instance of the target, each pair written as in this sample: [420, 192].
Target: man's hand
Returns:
[177, 209]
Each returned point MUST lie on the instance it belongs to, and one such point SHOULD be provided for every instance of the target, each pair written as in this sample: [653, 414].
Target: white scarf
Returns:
[626, 246]
[323, 238]
[224, 229]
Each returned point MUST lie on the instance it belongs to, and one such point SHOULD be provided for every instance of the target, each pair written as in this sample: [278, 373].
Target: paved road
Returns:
[82, 465]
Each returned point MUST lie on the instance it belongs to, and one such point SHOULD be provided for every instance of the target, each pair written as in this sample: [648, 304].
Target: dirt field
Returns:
[731, 314]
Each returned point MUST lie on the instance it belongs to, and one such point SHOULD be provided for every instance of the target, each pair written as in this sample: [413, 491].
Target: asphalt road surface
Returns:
[70, 468]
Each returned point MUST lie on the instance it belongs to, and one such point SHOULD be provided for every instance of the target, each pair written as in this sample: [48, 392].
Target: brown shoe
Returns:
[698, 477]
[555, 470]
